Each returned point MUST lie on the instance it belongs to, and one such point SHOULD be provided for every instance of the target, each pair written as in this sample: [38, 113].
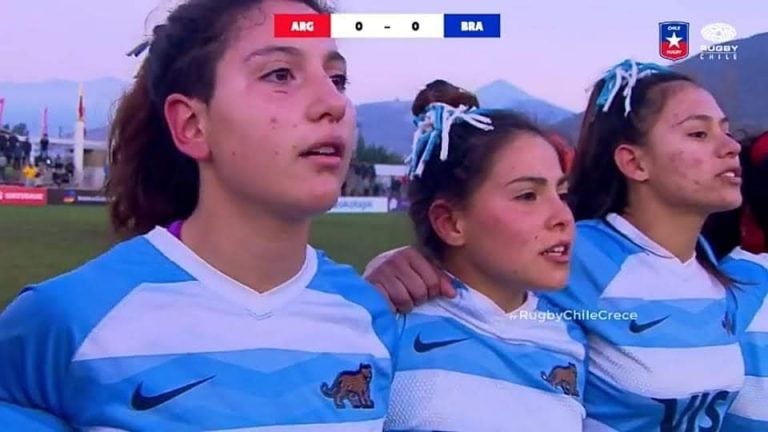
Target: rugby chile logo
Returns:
[718, 35]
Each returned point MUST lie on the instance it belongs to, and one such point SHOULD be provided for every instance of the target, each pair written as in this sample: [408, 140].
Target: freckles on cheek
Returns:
[273, 123]
[684, 166]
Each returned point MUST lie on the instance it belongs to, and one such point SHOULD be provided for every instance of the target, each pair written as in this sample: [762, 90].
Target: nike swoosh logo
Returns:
[634, 327]
[141, 402]
[421, 347]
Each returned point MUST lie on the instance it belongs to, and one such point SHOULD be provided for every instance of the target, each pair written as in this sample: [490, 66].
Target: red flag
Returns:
[81, 106]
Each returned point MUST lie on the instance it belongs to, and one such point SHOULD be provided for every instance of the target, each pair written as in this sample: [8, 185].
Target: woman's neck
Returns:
[253, 247]
[675, 229]
[506, 295]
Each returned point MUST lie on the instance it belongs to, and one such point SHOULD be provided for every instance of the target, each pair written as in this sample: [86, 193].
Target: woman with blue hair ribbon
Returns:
[472, 171]
[664, 319]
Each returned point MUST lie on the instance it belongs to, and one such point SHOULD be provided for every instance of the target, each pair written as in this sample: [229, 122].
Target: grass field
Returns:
[37, 243]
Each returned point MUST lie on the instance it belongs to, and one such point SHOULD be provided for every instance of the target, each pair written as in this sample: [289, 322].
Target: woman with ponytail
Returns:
[214, 313]
[487, 196]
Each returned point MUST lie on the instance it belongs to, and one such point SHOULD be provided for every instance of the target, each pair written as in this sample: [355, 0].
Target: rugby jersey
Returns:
[749, 412]
[671, 361]
[15, 418]
[465, 365]
[150, 337]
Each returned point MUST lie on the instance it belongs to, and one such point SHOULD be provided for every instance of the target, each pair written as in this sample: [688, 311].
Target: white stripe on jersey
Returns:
[760, 259]
[760, 323]
[751, 402]
[167, 318]
[645, 276]
[447, 397]
[667, 373]
[592, 425]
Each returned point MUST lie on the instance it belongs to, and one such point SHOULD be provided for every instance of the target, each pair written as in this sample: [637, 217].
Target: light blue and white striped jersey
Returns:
[749, 412]
[465, 365]
[663, 354]
[150, 337]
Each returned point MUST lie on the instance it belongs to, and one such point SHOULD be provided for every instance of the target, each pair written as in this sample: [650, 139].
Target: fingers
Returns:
[446, 286]
[411, 280]
[407, 278]
[427, 272]
[397, 293]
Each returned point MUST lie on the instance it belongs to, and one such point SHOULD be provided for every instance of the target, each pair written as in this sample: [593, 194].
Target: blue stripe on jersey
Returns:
[479, 355]
[59, 326]
[246, 385]
[16, 418]
[638, 413]
[734, 423]
[673, 318]
[755, 347]
[334, 278]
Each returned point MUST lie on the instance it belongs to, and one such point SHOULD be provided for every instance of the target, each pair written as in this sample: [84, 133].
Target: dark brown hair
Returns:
[724, 230]
[755, 181]
[468, 162]
[597, 187]
[150, 181]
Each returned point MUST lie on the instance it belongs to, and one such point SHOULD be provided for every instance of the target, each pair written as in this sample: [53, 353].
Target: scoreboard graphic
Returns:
[349, 26]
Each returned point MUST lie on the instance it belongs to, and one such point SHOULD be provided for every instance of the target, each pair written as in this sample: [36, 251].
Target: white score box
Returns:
[387, 26]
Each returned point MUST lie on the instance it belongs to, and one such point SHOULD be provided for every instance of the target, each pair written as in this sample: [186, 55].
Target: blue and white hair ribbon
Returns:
[434, 127]
[625, 74]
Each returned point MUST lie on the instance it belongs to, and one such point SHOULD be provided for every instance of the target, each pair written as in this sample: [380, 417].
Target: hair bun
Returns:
[444, 92]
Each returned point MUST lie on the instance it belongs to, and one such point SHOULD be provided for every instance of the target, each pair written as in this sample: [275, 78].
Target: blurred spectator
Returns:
[3, 165]
[13, 151]
[4, 145]
[58, 171]
[26, 150]
[30, 173]
[44, 144]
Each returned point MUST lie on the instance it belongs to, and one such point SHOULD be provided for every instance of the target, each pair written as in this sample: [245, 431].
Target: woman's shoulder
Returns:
[84, 295]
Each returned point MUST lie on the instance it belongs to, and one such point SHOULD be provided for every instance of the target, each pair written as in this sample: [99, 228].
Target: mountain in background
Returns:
[24, 102]
[740, 86]
[390, 124]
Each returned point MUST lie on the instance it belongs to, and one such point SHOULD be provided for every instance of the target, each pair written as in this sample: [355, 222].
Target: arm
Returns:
[34, 353]
[407, 278]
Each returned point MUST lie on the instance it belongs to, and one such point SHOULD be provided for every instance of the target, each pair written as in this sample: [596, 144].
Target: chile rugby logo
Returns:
[674, 39]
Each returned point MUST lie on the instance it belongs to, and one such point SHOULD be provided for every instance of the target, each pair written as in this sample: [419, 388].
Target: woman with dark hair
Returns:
[745, 226]
[487, 204]
[655, 159]
[749, 412]
[216, 313]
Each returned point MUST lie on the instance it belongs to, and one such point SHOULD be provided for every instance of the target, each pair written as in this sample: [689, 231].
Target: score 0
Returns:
[387, 25]
[414, 26]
